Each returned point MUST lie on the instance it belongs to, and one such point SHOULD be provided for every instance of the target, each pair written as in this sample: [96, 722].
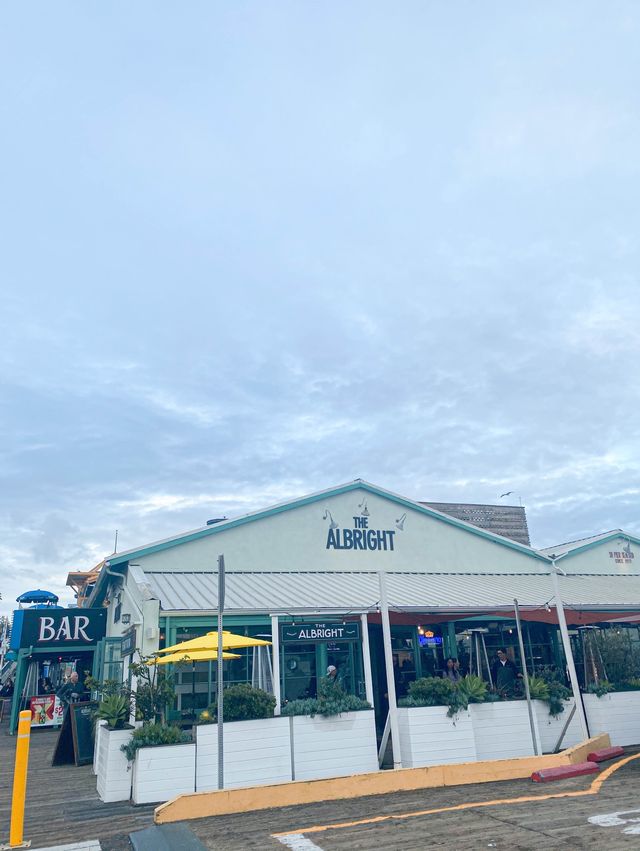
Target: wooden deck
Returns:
[62, 803]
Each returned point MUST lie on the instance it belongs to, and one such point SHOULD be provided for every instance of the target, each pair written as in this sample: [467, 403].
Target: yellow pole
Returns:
[20, 781]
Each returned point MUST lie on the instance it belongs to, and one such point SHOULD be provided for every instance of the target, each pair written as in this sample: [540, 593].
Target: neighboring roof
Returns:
[573, 547]
[510, 521]
[352, 592]
[358, 484]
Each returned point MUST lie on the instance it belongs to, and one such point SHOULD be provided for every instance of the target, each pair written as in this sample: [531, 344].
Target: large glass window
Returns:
[299, 674]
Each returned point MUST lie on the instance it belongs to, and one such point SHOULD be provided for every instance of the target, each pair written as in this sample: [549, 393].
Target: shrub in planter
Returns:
[433, 691]
[332, 700]
[241, 702]
[473, 689]
[115, 710]
[601, 688]
[153, 735]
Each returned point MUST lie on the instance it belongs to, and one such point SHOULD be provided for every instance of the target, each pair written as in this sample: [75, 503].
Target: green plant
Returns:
[473, 688]
[154, 690]
[434, 691]
[241, 703]
[332, 700]
[629, 685]
[153, 735]
[601, 688]
[115, 710]
[538, 688]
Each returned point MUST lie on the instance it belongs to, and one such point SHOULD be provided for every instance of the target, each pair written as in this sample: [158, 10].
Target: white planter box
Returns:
[429, 737]
[502, 730]
[550, 726]
[160, 773]
[113, 769]
[617, 714]
[97, 733]
[256, 753]
[334, 747]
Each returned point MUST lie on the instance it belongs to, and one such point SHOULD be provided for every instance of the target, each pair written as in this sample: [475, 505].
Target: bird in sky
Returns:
[508, 493]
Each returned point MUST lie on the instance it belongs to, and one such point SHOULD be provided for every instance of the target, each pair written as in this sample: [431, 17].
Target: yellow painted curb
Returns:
[217, 803]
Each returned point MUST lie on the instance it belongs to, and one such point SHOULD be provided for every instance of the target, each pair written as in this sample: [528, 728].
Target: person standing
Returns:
[504, 674]
[452, 670]
[71, 691]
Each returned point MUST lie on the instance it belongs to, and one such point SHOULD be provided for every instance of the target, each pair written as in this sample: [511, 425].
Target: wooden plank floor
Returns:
[62, 802]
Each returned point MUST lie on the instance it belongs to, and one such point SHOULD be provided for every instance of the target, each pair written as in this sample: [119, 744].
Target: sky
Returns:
[252, 250]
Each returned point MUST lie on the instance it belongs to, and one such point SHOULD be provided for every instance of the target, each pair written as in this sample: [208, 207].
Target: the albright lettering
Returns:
[360, 539]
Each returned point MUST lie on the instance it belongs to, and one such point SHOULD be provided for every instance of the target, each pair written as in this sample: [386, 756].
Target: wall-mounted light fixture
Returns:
[126, 619]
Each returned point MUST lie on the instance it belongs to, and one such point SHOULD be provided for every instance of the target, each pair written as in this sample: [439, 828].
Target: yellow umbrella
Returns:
[193, 656]
[230, 641]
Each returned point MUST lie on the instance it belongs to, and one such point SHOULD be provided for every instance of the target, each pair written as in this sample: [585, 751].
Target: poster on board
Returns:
[46, 711]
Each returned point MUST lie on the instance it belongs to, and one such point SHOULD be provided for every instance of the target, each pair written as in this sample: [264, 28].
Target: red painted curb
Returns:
[605, 753]
[564, 771]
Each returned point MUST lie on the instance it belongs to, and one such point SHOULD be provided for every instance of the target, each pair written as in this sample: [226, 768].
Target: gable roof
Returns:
[571, 548]
[357, 484]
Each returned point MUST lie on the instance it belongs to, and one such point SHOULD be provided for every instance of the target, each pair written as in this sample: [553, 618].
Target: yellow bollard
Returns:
[20, 782]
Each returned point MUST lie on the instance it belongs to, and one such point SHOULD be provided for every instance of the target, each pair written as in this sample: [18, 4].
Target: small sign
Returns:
[128, 645]
[321, 632]
[75, 740]
[46, 711]
[429, 640]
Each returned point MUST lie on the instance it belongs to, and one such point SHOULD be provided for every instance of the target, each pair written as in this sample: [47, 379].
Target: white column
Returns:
[366, 658]
[388, 662]
[566, 643]
[275, 661]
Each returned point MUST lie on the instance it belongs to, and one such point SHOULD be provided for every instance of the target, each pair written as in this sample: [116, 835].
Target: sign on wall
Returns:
[60, 627]
[360, 533]
[128, 644]
[321, 632]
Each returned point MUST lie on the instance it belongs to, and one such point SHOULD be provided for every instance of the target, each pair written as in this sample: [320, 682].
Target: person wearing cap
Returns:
[333, 676]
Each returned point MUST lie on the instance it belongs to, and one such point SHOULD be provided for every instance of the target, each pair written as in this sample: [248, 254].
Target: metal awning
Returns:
[269, 592]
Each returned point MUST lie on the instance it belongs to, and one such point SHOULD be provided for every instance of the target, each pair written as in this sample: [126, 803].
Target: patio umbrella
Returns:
[37, 596]
[193, 657]
[230, 641]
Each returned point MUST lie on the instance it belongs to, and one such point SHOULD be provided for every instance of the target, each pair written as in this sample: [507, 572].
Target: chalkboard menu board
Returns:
[82, 729]
[75, 742]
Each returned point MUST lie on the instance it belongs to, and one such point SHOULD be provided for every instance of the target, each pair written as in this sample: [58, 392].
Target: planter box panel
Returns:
[161, 773]
[551, 726]
[114, 771]
[429, 737]
[100, 725]
[334, 747]
[502, 730]
[255, 753]
[616, 714]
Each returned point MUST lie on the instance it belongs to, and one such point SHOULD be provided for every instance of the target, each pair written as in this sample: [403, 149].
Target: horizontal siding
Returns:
[334, 747]
[615, 714]
[255, 753]
[550, 726]
[502, 730]
[163, 772]
[429, 737]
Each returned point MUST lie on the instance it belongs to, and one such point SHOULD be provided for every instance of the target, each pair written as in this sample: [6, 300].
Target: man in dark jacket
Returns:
[71, 691]
[504, 674]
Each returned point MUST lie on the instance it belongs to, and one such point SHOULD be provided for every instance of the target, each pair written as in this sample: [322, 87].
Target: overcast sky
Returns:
[251, 250]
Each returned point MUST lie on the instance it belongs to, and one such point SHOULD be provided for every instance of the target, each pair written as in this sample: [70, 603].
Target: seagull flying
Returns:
[508, 493]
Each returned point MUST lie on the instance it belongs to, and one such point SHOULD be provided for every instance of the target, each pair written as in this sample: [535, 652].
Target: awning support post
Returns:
[275, 662]
[566, 643]
[388, 661]
[366, 658]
